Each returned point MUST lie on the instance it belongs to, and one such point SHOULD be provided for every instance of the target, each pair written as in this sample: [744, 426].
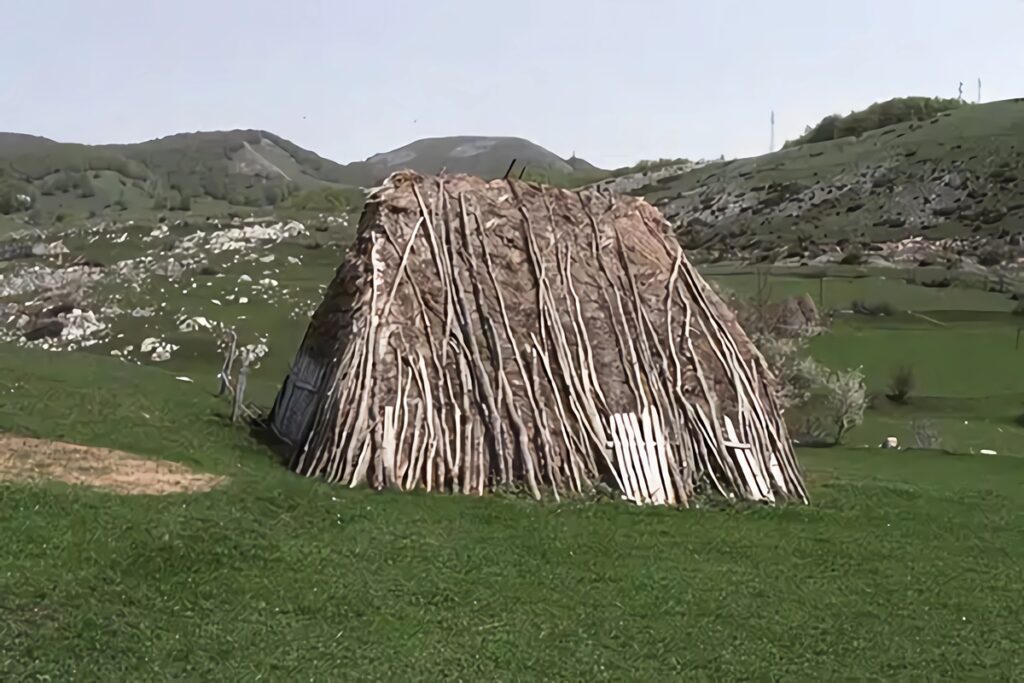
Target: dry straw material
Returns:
[482, 335]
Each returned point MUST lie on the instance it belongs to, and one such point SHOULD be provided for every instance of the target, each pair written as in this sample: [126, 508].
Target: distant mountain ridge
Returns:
[248, 168]
[20, 143]
[486, 157]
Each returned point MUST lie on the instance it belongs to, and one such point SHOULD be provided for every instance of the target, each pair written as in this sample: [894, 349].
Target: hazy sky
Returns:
[616, 81]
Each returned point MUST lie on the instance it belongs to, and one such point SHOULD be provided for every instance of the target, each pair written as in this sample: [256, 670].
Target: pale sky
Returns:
[613, 80]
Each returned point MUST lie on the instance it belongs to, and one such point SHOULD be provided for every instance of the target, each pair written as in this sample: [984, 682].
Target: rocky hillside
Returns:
[959, 174]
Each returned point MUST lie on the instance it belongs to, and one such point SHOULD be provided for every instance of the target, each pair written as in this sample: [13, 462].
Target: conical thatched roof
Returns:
[488, 334]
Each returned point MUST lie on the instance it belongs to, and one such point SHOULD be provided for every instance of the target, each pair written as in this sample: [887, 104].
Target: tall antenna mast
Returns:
[979, 90]
[771, 145]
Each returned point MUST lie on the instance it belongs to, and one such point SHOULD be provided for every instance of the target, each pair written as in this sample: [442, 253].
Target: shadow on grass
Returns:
[263, 434]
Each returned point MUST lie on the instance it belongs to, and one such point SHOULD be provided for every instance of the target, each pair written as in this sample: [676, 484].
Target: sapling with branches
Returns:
[926, 435]
[845, 397]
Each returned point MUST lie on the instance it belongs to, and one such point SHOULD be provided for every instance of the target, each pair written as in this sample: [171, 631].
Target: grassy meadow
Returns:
[907, 564]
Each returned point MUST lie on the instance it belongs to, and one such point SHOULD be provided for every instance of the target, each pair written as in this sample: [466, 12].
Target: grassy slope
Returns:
[963, 354]
[907, 564]
[968, 162]
[229, 168]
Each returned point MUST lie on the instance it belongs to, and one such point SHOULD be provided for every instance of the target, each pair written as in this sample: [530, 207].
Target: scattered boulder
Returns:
[14, 250]
[57, 309]
[171, 269]
[45, 329]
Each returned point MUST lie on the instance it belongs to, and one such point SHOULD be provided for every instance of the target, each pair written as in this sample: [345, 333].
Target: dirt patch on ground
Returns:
[23, 459]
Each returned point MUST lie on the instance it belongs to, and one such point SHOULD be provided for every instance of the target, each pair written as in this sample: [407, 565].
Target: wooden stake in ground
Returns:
[237, 406]
[229, 360]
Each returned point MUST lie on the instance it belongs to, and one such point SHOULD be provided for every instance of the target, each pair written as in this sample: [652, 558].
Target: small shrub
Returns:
[992, 257]
[845, 401]
[853, 257]
[85, 186]
[926, 435]
[1019, 308]
[901, 384]
[812, 431]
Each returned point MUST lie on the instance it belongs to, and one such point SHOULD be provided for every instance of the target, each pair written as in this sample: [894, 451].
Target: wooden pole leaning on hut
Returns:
[505, 334]
[229, 361]
[238, 402]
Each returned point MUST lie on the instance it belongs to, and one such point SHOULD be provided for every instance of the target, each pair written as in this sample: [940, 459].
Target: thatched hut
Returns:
[489, 334]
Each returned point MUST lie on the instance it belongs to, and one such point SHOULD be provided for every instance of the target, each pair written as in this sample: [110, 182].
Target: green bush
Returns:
[10, 188]
[854, 256]
[901, 384]
[878, 115]
[85, 186]
[273, 194]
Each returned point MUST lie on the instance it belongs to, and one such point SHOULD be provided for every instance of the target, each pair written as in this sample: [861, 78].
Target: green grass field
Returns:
[907, 564]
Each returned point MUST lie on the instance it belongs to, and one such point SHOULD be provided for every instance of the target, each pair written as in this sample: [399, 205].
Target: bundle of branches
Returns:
[482, 335]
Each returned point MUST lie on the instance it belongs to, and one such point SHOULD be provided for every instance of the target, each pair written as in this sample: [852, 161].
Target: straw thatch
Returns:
[482, 335]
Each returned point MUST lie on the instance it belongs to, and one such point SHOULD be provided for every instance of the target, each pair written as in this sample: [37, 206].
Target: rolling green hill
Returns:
[19, 143]
[241, 168]
[43, 181]
[957, 174]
